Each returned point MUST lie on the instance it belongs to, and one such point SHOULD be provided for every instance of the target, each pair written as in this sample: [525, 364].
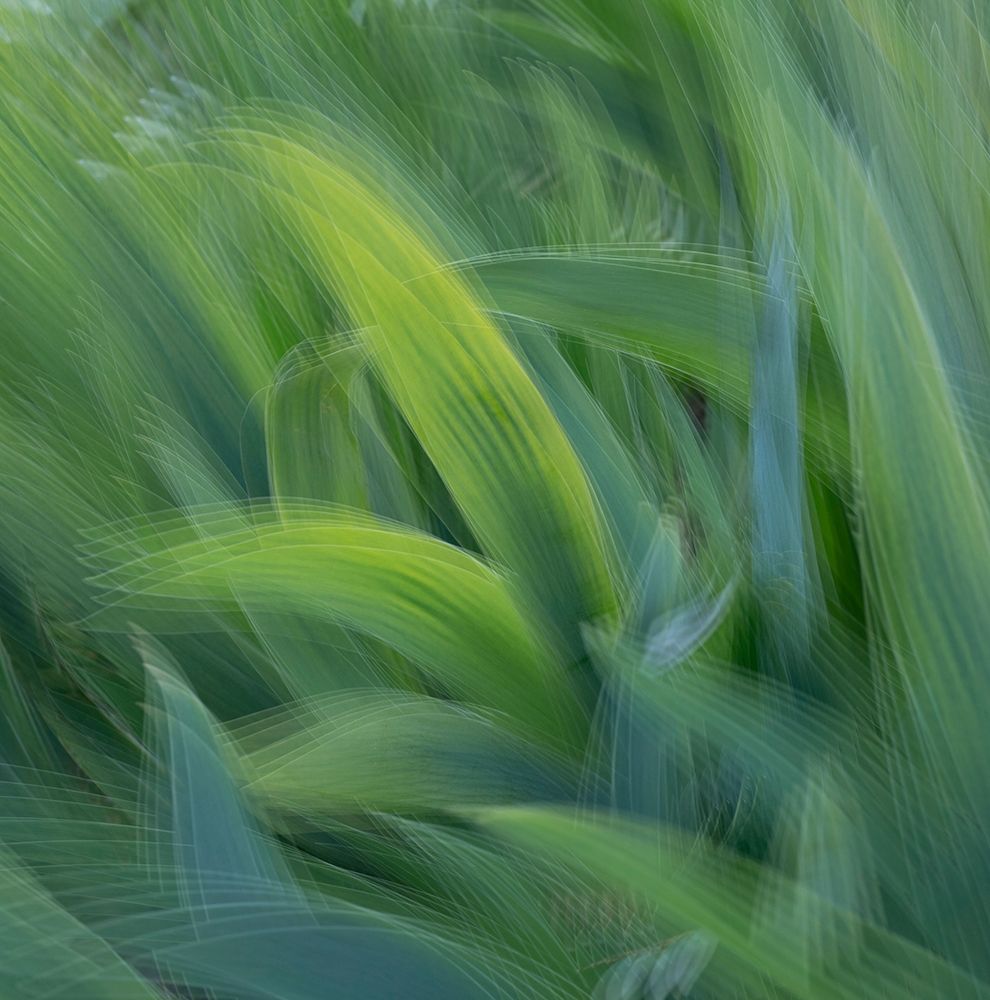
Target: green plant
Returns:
[494, 499]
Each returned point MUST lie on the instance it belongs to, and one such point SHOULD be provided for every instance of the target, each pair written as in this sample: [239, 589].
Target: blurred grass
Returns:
[494, 499]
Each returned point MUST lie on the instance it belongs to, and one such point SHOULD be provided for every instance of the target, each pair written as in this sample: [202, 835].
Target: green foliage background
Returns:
[494, 499]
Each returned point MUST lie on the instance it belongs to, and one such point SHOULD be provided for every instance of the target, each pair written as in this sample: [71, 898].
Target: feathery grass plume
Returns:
[494, 499]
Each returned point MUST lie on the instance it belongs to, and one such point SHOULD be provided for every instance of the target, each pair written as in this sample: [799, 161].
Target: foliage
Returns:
[495, 499]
